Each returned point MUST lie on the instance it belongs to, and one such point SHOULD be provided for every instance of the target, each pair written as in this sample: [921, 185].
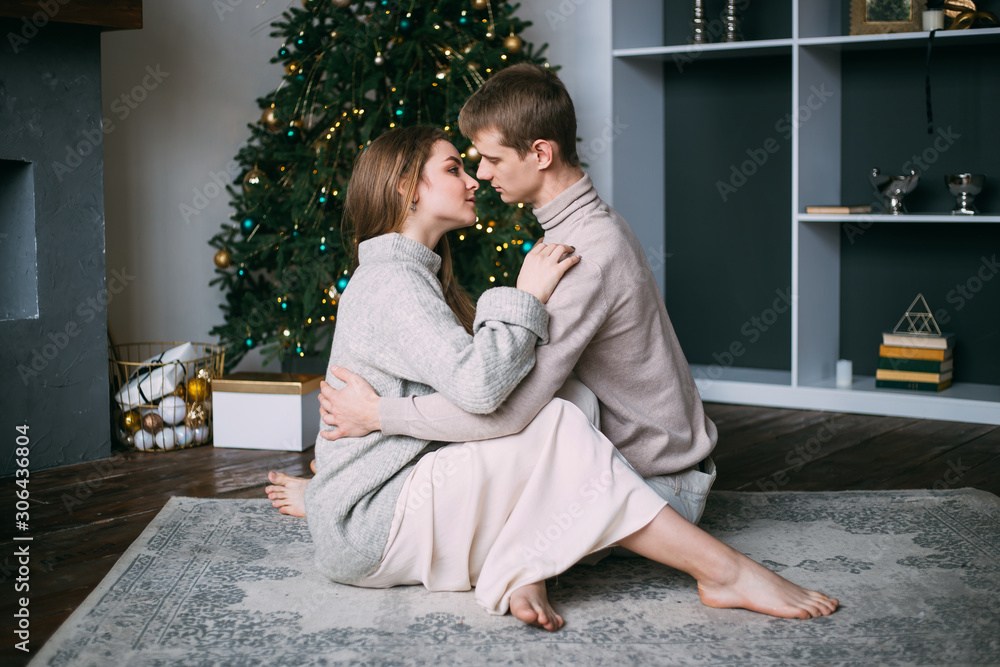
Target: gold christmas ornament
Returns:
[342, 4]
[480, 5]
[131, 421]
[223, 259]
[472, 154]
[181, 390]
[152, 423]
[270, 121]
[197, 390]
[513, 44]
[254, 178]
[292, 67]
[196, 416]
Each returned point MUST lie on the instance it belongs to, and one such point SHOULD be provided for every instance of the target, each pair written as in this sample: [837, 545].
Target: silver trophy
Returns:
[894, 188]
[965, 187]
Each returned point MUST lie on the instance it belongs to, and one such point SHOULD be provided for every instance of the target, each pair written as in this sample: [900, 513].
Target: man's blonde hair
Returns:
[524, 103]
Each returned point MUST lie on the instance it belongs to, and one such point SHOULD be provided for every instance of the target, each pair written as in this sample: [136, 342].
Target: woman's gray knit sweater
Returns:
[396, 331]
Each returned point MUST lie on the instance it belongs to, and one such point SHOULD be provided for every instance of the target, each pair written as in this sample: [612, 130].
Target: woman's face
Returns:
[446, 193]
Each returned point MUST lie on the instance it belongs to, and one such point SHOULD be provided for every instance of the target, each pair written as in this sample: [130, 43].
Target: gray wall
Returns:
[164, 152]
[53, 363]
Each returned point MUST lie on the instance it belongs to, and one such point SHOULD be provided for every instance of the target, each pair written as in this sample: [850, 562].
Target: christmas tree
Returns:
[353, 70]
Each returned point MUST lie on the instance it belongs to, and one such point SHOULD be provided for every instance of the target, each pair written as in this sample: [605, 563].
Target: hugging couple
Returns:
[494, 445]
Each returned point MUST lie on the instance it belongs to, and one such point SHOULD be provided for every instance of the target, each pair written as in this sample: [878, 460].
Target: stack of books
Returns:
[911, 361]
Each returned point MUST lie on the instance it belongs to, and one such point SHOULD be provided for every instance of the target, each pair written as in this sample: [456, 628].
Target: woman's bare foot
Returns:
[749, 585]
[287, 493]
[531, 604]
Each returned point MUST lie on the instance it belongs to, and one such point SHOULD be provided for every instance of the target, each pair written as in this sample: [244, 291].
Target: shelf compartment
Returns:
[763, 47]
[885, 218]
[901, 40]
[962, 402]
[707, 374]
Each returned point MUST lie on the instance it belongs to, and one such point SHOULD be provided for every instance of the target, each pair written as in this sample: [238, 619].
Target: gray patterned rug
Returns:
[230, 582]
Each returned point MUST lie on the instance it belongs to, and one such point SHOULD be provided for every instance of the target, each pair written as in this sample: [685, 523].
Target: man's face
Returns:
[515, 179]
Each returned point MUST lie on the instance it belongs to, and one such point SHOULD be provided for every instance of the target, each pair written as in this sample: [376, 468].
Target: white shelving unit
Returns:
[814, 47]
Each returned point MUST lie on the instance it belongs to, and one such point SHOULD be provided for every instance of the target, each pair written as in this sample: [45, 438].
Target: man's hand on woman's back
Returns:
[352, 411]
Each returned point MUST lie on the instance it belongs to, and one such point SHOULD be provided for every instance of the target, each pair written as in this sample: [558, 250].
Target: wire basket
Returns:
[162, 393]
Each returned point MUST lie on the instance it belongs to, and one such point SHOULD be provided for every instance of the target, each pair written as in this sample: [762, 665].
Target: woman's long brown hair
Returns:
[373, 205]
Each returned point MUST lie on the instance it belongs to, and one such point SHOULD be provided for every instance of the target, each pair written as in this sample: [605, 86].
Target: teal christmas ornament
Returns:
[406, 26]
[247, 226]
[527, 246]
[342, 284]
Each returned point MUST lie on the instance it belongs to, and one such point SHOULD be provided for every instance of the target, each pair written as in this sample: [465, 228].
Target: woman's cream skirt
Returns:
[503, 513]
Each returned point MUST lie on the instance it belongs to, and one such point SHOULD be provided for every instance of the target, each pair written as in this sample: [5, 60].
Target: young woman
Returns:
[499, 515]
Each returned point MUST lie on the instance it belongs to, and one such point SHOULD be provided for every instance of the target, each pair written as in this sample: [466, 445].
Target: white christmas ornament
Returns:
[144, 440]
[200, 435]
[182, 435]
[164, 439]
[172, 409]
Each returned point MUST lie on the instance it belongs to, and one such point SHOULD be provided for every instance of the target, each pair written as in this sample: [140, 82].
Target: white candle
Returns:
[845, 373]
[933, 19]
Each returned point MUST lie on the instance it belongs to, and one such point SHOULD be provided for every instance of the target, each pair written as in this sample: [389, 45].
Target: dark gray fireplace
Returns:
[53, 296]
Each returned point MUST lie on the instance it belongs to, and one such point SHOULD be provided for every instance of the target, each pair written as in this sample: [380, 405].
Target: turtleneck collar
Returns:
[569, 201]
[396, 247]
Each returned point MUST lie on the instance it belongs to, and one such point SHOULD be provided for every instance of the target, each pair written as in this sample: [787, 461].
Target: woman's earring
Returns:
[413, 206]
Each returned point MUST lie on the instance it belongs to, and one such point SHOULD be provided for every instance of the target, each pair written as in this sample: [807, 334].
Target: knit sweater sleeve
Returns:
[414, 335]
[577, 309]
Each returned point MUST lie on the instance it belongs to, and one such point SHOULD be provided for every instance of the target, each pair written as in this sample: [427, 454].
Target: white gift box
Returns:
[277, 411]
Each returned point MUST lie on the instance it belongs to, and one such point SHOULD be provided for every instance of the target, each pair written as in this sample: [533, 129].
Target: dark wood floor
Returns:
[83, 517]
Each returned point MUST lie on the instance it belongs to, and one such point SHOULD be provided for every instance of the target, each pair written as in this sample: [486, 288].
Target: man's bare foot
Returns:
[531, 604]
[749, 585]
[287, 493]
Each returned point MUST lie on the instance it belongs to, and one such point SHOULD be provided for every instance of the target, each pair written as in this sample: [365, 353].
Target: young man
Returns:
[608, 321]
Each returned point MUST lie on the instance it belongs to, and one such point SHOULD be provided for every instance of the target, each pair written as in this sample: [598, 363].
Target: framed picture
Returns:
[872, 17]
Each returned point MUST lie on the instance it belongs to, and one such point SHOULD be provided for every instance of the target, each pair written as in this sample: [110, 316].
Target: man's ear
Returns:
[544, 153]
